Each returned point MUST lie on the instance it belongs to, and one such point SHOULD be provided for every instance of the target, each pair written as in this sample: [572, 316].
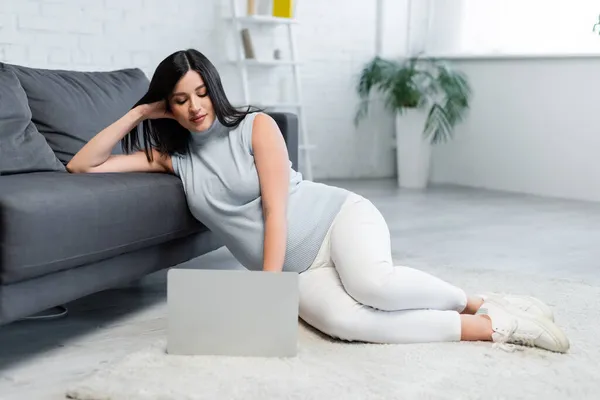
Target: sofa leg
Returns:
[51, 313]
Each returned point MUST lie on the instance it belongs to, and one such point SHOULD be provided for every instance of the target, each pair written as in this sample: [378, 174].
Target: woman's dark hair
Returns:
[167, 135]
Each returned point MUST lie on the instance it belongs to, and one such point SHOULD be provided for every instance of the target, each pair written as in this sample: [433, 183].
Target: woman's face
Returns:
[190, 104]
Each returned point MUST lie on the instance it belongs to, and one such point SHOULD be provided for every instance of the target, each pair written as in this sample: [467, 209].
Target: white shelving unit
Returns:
[238, 22]
[262, 20]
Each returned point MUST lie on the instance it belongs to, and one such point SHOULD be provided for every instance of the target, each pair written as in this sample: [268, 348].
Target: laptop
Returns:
[232, 313]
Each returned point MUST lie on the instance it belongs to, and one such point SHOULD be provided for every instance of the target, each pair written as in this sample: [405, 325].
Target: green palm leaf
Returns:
[417, 83]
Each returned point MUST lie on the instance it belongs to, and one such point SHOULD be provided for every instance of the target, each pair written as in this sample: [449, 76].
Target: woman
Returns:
[239, 182]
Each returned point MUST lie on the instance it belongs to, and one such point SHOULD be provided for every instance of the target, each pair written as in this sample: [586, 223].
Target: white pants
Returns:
[353, 292]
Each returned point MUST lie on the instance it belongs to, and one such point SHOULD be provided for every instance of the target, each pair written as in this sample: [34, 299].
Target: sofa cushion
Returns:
[71, 107]
[22, 147]
[53, 221]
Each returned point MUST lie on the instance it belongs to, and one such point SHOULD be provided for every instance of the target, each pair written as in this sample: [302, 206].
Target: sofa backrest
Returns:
[22, 148]
[70, 107]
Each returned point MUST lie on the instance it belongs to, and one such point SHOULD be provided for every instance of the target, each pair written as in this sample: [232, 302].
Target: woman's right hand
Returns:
[155, 110]
[96, 155]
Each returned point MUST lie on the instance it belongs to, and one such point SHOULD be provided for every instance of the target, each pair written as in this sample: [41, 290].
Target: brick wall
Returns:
[110, 34]
[100, 34]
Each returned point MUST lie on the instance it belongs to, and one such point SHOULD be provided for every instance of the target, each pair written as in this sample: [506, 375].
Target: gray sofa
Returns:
[64, 236]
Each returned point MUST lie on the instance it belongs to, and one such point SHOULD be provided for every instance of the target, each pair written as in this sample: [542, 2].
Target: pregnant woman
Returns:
[239, 182]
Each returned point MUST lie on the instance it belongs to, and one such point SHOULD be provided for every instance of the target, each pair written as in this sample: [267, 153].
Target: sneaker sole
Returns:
[547, 325]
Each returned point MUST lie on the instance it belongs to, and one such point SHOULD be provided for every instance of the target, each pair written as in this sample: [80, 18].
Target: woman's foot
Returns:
[473, 304]
[513, 325]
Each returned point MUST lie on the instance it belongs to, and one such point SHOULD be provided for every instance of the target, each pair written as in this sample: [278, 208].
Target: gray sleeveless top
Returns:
[222, 190]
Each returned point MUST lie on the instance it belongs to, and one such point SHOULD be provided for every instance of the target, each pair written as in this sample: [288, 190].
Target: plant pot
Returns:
[413, 150]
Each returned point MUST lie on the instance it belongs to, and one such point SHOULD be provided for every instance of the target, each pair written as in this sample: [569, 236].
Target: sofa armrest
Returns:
[288, 125]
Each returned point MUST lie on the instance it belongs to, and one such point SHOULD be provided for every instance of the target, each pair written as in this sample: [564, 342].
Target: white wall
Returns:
[534, 127]
[109, 34]
[101, 35]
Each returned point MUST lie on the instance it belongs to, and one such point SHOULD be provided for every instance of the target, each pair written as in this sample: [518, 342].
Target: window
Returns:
[513, 27]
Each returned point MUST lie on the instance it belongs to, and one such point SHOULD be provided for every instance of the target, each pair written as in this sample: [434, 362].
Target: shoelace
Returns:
[503, 342]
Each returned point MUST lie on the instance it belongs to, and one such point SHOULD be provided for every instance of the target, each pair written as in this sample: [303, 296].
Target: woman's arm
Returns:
[96, 156]
[272, 163]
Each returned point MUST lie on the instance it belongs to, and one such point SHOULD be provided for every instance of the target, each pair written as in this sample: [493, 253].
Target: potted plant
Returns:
[428, 98]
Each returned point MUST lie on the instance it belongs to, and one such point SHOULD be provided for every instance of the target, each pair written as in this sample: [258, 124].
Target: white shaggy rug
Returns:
[326, 369]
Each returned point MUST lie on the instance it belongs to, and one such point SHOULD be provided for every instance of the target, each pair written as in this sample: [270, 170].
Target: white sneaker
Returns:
[514, 326]
[528, 304]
